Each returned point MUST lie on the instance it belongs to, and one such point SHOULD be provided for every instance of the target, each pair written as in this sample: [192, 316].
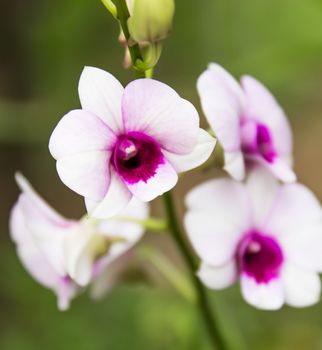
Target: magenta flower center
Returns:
[136, 157]
[256, 139]
[259, 256]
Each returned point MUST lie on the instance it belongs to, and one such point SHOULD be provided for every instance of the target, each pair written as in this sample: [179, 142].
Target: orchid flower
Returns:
[126, 142]
[250, 125]
[43, 259]
[63, 254]
[264, 234]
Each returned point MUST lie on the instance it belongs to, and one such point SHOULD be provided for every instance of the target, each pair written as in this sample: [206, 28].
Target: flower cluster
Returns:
[126, 146]
[266, 234]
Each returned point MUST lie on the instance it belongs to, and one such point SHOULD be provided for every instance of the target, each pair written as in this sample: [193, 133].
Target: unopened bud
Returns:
[127, 56]
[150, 20]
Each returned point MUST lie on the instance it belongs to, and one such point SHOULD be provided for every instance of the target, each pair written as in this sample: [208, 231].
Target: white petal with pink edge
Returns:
[31, 220]
[266, 296]
[88, 173]
[222, 101]
[39, 202]
[80, 131]
[46, 228]
[33, 210]
[155, 109]
[66, 290]
[218, 277]
[164, 179]
[101, 94]
[36, 261]
[280, 167]
[30, 255]
[47, 235]
[262, 106]
[200, 153]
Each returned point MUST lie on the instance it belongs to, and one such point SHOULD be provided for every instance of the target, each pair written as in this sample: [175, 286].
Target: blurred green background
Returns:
[44, 46]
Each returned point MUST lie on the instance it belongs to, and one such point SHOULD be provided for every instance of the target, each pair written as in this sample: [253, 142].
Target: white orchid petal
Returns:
[302, 287]
[164, 179]
[154, 108]
[116, 199]
[200, 153]
[101, 94]
[218, 277]
[222, 101]
[266, 296]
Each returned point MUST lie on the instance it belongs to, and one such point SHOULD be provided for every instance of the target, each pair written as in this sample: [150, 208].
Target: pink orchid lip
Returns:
[259, 256]
[256, 139]
[136, 157]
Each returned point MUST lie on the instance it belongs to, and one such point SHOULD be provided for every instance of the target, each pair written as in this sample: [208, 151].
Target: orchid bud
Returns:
[127, 56]
[151, 20]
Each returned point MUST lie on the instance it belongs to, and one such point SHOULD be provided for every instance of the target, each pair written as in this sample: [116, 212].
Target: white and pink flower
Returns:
[126, 142]
[250, 125]
[63, 254]
[266, 235]
[42, 258]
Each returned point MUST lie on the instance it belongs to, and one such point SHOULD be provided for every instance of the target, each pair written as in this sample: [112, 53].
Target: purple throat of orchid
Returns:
[259, 256]
[257, 140]
[136, 157]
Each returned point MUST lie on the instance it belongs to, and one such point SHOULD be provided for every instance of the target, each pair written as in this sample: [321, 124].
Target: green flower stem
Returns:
[151, 224]
[170, 272]
[204, 306]
[110, 6]
[134, 49]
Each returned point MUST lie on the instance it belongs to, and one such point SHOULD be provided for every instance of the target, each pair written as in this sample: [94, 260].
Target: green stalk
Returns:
[151, 224]
[110, 7]
[171, 273]
[203, 303]
[134, 49]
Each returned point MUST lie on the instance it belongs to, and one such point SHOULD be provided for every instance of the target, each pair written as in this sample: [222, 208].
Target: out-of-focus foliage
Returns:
[44, 47]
